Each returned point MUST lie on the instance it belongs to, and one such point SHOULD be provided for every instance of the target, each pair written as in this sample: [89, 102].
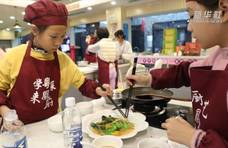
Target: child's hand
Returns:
[13, 125]
[143, 79]
[106, 92]
[179, 130]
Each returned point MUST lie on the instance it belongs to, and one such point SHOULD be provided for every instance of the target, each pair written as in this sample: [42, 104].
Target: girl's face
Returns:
[51, 38]
[207, 33]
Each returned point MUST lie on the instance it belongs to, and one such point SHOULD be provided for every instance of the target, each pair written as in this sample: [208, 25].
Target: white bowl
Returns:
[108, 141]
[87, 145]
[153, 143]
[85, 108]
[55, 123]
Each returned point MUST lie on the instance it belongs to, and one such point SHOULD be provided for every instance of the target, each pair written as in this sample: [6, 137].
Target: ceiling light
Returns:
[1, 21]
[12, 17]
[113, 2]
[29, 24]
[8, 29]
[89, 8]
[23, 13]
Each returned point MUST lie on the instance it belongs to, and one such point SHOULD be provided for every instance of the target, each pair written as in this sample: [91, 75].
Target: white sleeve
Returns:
[94, 48]
[127, 52]
[128, 48]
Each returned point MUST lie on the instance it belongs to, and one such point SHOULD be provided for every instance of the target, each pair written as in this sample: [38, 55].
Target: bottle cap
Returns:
[11, 115]
[70, 101]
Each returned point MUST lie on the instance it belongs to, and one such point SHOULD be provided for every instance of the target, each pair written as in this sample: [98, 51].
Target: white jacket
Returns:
[106, 48]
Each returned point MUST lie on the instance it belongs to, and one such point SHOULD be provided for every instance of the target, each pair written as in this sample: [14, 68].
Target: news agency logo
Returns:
[207, 16]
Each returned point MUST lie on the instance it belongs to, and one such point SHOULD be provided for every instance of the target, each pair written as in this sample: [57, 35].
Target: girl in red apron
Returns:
[208, 79]
[89, 56]
[107, 58]
[37, 86]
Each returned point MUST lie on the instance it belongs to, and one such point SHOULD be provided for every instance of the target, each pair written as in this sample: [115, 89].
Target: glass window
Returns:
[147, 32]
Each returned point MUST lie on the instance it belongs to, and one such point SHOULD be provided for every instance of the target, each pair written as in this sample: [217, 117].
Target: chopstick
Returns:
[130, 89]
[113, 102]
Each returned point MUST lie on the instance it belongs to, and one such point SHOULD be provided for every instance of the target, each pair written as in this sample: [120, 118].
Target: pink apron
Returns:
[210, 99]
[35, 93]
[104, 73]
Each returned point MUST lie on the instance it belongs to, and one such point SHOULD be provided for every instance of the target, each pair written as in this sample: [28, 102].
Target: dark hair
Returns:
[102, 33]
[209, 4]
[119, 33]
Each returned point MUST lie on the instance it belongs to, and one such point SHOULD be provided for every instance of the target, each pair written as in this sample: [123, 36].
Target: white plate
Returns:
[153, 143]
[137, 119]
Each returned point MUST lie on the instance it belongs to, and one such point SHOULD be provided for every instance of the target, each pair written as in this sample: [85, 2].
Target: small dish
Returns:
[85, 108]
[108, 142]
[55, 123]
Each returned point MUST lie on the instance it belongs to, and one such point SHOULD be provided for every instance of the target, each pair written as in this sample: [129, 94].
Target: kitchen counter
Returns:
[40, 136]
[90, 70]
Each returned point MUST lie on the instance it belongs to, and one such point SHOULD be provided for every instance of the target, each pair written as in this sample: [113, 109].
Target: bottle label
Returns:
[76, 137]
[22, 143]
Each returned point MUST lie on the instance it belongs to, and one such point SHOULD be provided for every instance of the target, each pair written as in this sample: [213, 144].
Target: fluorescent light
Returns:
[113, 2]
[89, 8]
[12, 17]
[1, 21]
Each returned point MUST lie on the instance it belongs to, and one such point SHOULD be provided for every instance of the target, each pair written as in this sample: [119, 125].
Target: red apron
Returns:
[210, 98]
[90, 57]
[35, 93]
[103, 72]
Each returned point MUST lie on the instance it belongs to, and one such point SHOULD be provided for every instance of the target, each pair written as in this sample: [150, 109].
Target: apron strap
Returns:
[28, 50]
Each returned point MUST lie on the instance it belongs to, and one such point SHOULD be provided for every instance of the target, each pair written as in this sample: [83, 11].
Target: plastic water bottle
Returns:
[12, 138]
[72, 127]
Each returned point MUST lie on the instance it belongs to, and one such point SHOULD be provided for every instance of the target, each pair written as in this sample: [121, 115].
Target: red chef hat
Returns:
[46, 12]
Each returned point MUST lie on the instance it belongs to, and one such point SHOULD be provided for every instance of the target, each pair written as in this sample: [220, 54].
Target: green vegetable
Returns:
[108, 125]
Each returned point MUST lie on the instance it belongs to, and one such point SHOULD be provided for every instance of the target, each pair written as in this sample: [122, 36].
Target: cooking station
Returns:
[154, 104]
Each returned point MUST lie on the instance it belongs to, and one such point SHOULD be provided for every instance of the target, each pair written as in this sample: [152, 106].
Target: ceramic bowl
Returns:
[85, 108]
[55, 123]
[153, 143]
[108, 141]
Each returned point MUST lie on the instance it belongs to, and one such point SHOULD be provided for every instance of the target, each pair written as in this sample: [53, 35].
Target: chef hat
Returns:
[46, 12]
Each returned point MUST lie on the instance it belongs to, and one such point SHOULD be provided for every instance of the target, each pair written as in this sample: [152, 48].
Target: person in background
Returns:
[125, 49]
[89, 56]
[36, 75]
[208, 79]
[107, 54]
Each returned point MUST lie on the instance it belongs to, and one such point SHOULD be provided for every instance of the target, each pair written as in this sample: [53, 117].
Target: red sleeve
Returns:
[173, 77]
[2, 97]
[213, 140]
[88, 89]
